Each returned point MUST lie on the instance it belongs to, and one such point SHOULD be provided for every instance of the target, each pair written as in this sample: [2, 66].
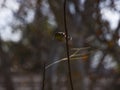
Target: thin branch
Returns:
[74, 56]
[67, 46]
[83, 48]
[61, 60]
[64, 59]
[101, 61]
[43, 82]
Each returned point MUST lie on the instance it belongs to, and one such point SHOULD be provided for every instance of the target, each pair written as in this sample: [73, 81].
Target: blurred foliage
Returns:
[99, 70]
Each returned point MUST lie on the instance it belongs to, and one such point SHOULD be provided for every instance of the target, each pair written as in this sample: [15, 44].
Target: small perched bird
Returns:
[61, 36]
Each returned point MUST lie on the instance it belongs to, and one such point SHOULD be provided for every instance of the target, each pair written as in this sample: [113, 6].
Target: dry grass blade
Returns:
[74, 56]
[84, 48]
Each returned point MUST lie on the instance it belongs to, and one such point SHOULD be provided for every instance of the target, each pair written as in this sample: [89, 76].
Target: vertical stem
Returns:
[67, 46]
[43, 82]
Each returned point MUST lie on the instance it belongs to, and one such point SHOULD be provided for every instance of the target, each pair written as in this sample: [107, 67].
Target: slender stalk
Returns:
[67, 46]
[43, 82]
[74, 56]
[63, 59]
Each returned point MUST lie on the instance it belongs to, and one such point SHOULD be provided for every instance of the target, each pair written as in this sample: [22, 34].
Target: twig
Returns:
[67, 46]
[74, 56]
[64, 59]
[43, 82]
[83, 48]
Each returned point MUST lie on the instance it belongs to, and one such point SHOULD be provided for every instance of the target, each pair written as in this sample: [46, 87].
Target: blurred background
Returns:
[27, 29]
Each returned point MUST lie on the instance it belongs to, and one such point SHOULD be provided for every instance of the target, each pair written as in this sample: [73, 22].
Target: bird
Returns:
[61, 36]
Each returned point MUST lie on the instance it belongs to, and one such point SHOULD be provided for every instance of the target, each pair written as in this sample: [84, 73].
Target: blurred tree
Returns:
[39, 20]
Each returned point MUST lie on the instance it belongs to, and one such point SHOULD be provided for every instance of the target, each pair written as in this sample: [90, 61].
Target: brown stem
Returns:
[43, 82]
[67, 46]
